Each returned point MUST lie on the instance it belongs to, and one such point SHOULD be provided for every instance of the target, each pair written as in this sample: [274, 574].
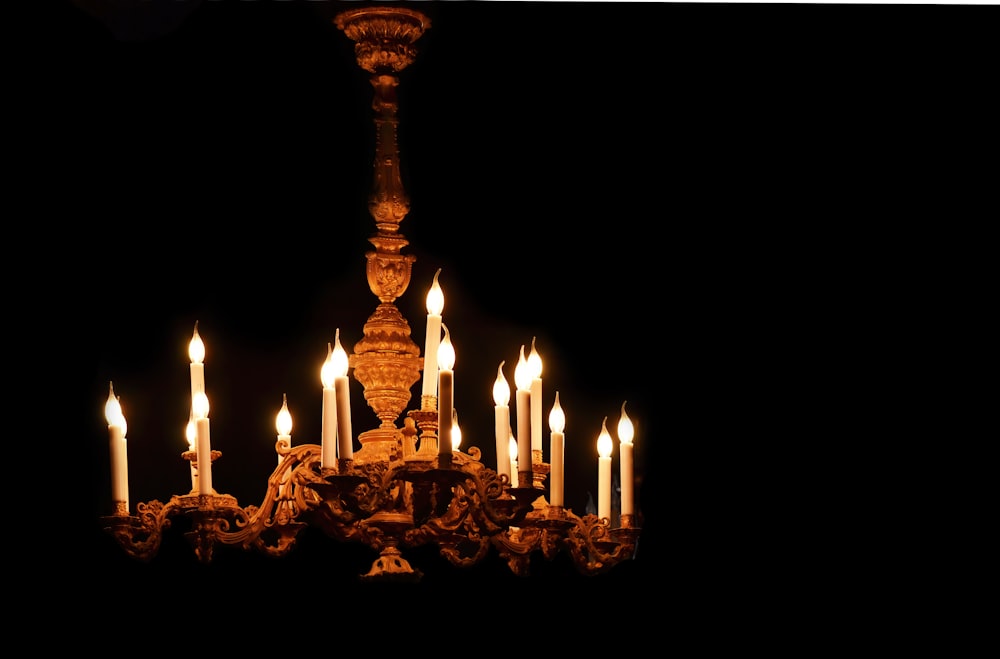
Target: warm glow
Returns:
[435, 297]
[625, 429]
[604, 443]
[456, 432]
[326, 374]
[534, 362]
[446, 352]
[338, 357]
[199, 405]
[512, 448]
[283, 422]
[501, 389]
[196, 349]
[522, 376]
[113, 408]
[190, 432]
[557, 419]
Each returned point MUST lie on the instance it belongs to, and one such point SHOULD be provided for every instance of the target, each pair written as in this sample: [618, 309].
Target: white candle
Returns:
[446, 393]
[604, 447]
[557, 423]
[204, 444]
[522, 379]
[501, 402]
[535, 370]
[196, 351]
[192, 436]
[345, 442]
[117, 427]
[512, 452]
[435, 305]
[283, 424]
[328, 436]
[625, 434]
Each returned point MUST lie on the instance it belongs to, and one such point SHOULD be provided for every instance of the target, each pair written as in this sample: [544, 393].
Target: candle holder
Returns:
[392, 495]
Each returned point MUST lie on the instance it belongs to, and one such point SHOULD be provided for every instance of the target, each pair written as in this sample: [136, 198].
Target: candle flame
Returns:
[199, 405]
[456, 432]
[522, 377]
[283, 422]
[534, 362]
[113, 411]
[326, 374]
[338, 357]
[446, 352]
[604, 443]
[501, 389]
[625, 429]
[557, 419]
[190, 433]
[196, 348]
[435, 297]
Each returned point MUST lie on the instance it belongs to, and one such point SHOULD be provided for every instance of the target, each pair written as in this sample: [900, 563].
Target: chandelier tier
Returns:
[410, 484]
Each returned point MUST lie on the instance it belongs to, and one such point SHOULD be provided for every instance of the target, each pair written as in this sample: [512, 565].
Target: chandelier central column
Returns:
[386, 360]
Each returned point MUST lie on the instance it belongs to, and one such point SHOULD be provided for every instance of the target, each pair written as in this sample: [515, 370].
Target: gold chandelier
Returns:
[410, 483]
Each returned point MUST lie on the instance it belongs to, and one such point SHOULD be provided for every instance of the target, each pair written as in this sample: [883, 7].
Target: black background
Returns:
[673, 199]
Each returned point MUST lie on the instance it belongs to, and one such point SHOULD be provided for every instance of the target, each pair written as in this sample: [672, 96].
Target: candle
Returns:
[522, 379]
[557, 423]
[203, 443]
[512, 452]
[535, 370]
[345, 444]
[328, 436]
[196, 351]
[446, 393]
[604, 446]
[192, 435]
[625, 433]
[435, 305]
[501, 402]
[117, 427]
[283, 424]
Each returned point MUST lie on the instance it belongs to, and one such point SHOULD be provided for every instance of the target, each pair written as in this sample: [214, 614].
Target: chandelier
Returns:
[413, 481]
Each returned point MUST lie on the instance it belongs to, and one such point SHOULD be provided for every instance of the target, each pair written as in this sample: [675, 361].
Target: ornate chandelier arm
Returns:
[591, 546]
[273, 526]
[140, 535]
[515, 546]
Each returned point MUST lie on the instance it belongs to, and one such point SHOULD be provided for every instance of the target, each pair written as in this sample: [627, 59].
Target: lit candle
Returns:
[283, 424]
[345, 444]
[501, 402]
[117, 427]
[512, 452]
[204, 444]
[446, 393]
[604, 447]
[535, 370]
[328, 438]
[557, 423]
[522, 380]
[625, 434]
[435, 305]
[192, 435]
[196, 351]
